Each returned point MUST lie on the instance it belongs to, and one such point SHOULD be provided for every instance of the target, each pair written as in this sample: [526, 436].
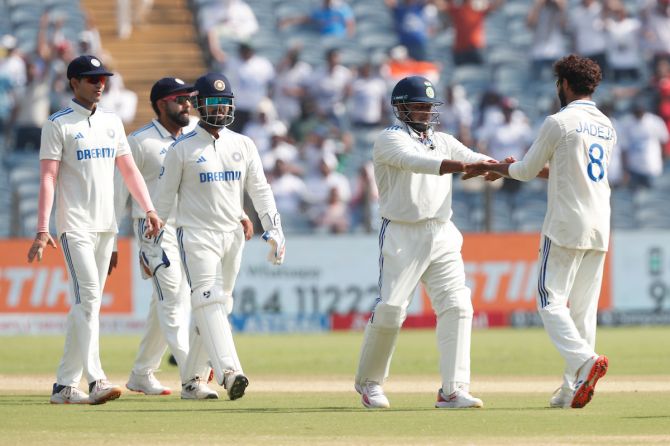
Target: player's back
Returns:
[578, 212]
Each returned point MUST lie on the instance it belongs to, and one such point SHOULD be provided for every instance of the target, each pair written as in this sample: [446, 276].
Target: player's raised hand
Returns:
[153, 224]
[42, 240]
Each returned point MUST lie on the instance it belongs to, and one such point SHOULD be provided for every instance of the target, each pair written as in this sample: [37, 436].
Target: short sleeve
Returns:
[51, 144]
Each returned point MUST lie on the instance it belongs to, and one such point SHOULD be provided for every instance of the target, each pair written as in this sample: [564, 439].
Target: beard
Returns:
[561, 97]
[179, 118]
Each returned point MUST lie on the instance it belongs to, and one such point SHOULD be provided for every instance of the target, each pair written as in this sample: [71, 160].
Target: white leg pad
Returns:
[211, 320]
[379, 340]
[454, 328]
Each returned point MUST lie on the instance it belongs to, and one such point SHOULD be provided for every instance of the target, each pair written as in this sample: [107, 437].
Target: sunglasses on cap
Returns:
[218, 100]
[95, 79]
[179, 98]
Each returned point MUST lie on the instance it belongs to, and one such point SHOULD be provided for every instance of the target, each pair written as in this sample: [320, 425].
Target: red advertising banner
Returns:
[42, 287]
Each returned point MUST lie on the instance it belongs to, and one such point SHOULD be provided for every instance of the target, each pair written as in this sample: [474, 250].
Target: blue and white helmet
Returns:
[215, 99]
[415, 90]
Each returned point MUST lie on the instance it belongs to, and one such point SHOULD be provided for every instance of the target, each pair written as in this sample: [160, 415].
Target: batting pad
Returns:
[214, 328]
[376, 353]
[454, 328]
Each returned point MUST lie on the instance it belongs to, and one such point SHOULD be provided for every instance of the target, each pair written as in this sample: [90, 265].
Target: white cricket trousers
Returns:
[569, 282]
[210, 259]
[87, 257]
[427, 252]
[165, 322]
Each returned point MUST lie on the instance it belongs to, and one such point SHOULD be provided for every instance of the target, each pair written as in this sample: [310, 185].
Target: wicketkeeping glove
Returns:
[275, 237]
[152, 255]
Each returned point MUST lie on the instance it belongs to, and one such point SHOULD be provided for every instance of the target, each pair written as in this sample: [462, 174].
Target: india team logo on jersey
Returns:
[237, 156]
[111, 133]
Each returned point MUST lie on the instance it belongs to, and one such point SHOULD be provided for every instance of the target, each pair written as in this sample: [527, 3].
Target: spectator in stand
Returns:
[319, 187]
[231, 20]
[262, 126]
[250, 76]
[289, 85]
[335, 216]
[623, 42]
[31, 109]
[117, 98]
[414, 22]
[289, 190]
[642, 137]
[365, 200]
[456, 114]
[656, 26]
[547, 19]
[309, 119]
[468, 19]
[89, 38]
[321, 141]
[281, 149]
[330, 86]
[333, 19]
[661, 87]
[368, 98]
[400, 65]
[615, 173]
[12, 65]
[587, 26]
[129, 13]
[509, 138]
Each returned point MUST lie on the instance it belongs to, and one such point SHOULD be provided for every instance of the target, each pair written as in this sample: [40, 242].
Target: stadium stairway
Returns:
[164, 45]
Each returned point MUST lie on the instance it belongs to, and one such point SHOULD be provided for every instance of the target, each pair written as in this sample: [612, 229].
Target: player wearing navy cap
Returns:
[171, 101]
[418, 243]
[210, 169]
[81, 145]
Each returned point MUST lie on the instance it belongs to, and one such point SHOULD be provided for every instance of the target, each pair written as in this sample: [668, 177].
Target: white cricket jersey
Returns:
[148, 144]
[86, 144]
[577, 143]
[210, 176]
[407, 172]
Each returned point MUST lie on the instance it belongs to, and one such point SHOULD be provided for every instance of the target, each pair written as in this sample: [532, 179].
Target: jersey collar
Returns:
[76, 106]
[580, 102]
[161, 130]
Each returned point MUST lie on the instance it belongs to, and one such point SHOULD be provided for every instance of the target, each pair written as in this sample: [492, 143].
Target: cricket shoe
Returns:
[102, 390]
[196, 389]
[68, 395]
[459, 399]
[372, 395]
[235, 384]
[146, 384]
[587, 377]
[562, 397]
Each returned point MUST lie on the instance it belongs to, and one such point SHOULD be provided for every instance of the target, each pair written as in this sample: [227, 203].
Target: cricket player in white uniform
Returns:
[577, 143]
[418, 243]
[209, 169]
[171, 100]
[80, 147]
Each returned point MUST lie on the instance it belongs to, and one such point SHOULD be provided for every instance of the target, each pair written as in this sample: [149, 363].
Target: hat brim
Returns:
[186, 88]
[97, 72]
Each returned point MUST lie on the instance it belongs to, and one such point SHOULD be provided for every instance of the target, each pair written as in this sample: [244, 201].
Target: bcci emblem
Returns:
[237, 156]
[95, 62]
[219, 85]
[111, 133]
[430, 92]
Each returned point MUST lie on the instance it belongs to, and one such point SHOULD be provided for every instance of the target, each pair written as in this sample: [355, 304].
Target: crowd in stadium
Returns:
[314, 123]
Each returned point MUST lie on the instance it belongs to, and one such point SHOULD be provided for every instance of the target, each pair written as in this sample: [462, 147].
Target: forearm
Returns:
[48, 175]
[134, 182]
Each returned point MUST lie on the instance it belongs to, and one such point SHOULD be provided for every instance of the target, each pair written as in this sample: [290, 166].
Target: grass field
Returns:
[301, 393]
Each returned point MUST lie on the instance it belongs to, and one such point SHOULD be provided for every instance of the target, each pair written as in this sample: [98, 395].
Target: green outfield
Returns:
[301, 393]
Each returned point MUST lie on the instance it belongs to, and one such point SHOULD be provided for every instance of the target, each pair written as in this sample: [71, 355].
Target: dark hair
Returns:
[155, 107]
[583, 74]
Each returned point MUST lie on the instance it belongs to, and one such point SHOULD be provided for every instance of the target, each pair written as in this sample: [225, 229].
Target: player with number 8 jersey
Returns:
[577, 143]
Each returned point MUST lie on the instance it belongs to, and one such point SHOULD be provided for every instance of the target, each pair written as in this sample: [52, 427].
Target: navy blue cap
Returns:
[86, 66]
[213, 85]
[168, 85]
